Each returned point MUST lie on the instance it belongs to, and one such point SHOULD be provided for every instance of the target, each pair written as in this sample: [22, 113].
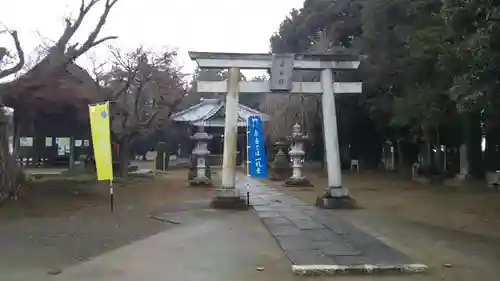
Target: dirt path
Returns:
[62, 223]
[456, 231]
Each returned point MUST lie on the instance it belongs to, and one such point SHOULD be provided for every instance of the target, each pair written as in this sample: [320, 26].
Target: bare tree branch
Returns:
[140, 79]
[60, 54]
[97, 70]
[91, 40]
[137, 96]
[128, 65]
[103, 39]
[72, 27]
[20, 54]
[149, 120]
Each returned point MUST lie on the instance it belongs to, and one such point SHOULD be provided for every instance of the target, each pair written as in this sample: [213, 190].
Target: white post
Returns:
[335, 188]
[248, 159]
[464, 163]
[163, 168]
[230, 136]
[393, 159]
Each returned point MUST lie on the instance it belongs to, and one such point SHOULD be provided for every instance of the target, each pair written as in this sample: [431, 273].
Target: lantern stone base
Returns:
[229, 198]
[229, 203]
[298, 182]
[192, 174]
[337, 203]
[493, 179]
[200, 182]
[337, 198]
[279, 174]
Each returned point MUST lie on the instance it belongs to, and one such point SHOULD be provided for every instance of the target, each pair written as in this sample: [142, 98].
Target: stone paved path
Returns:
[315, 239]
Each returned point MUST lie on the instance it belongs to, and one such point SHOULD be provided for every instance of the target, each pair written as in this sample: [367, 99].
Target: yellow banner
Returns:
[101, 140]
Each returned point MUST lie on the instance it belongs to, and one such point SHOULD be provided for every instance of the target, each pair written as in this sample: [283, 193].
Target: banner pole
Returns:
[248, 163]
[111, 197]
[248, 155]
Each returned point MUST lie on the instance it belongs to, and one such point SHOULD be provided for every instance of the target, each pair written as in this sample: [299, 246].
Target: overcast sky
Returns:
[189, 25]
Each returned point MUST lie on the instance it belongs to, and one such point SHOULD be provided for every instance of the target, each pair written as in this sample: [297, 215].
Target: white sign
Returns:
[26, 141]
[48, 141]
[63, 141]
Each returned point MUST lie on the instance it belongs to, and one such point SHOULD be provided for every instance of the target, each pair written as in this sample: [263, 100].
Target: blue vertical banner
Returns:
[257, 162]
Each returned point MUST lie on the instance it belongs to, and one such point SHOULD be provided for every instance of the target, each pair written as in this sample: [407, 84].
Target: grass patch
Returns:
[69, 179]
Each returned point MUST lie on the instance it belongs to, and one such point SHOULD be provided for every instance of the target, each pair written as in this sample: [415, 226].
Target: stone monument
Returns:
[280, 168]
[297, 154]
[200, 174]
[493, 179]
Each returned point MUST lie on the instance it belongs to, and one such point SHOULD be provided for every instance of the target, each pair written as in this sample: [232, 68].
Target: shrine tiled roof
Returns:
[211, 113]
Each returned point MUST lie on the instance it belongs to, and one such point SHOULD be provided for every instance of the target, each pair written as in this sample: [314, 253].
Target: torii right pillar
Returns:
[336, 196]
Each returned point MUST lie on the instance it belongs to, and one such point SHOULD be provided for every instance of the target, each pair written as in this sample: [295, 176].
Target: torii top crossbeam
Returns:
[338, 60]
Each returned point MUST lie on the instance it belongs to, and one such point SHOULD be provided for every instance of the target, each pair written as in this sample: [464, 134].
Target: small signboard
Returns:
[26, 141]
[281, 72]
[257, 166]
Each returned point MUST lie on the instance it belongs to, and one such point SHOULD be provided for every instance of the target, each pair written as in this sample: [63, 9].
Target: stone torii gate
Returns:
[281, 66]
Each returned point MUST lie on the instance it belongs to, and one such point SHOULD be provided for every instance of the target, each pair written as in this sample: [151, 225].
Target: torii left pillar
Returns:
[228, 196]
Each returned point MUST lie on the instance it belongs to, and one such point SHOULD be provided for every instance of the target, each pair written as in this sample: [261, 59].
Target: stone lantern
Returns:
[280, 167]
[202, 176]
[297, 154]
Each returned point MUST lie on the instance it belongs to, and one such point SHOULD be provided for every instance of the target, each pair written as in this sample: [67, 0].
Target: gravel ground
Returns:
[58, 224]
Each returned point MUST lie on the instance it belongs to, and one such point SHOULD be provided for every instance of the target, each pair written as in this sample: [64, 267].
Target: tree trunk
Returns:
[492, 150]
[8, 165]
[6, 174]
[473, 138]
[425, 151]
[439, 153]
[72, 153]
[401, 157]
[428, 151]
